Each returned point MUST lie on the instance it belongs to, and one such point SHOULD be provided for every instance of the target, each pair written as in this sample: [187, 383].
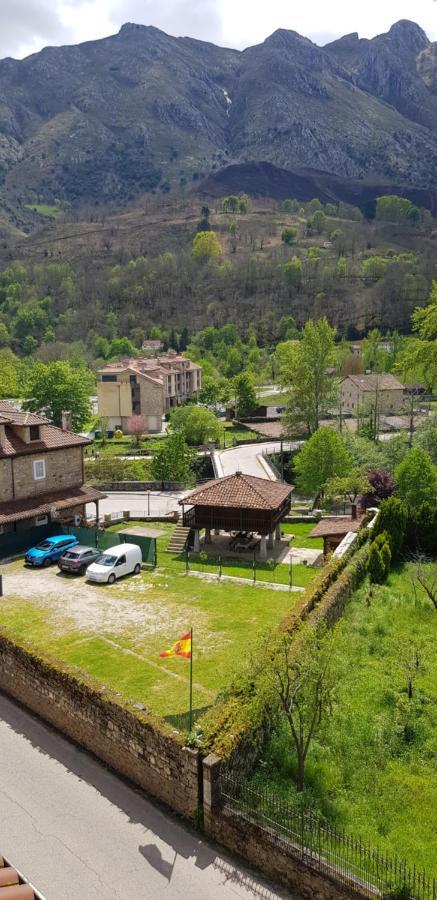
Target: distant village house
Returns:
[357, 391]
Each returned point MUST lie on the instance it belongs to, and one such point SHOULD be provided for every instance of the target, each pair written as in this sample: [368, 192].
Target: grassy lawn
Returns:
[115, 633]
[371, 770]
[302, 575]
[45, 209]
[301, 530]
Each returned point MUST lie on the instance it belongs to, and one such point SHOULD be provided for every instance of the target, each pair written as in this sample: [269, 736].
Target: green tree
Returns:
[420, 355]
[416, 477]
[198, 424]
[293, 272]
[173, 460]
[321, 459]
[56, 387]
[206, 246]
[11, 375]
[392, 208]
[288, 235]
[351, 486]
[303, 366]
[245, 395]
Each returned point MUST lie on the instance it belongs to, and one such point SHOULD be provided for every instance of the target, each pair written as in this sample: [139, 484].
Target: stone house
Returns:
[41, 472]
[145, 387]
[357, 391]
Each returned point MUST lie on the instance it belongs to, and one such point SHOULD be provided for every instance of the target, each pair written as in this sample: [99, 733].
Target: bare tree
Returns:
[424, 578]
[305, 678]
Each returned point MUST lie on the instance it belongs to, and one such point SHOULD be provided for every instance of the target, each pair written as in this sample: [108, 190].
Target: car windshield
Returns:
[105, 560]
[71, 555]
[44, 545]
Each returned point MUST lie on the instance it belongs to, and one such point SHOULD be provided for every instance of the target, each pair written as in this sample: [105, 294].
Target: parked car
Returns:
[124, 559]
[50, 549]
[78, 559]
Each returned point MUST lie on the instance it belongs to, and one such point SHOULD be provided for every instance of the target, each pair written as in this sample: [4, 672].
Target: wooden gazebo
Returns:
[238, 503]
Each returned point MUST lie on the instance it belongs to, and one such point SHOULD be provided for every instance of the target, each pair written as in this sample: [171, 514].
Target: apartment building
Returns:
[41, 472]
[145, 387]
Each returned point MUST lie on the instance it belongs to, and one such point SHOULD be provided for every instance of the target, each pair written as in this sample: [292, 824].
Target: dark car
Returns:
[78, 559]
[50, 549]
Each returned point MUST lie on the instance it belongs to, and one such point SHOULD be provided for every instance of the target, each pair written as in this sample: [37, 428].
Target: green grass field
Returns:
[372, 768]
[53, 211]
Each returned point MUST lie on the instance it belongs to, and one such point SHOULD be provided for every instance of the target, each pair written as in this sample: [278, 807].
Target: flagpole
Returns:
[191, 682]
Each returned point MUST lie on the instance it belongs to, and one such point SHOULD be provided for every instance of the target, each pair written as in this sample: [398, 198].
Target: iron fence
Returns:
[325, 848]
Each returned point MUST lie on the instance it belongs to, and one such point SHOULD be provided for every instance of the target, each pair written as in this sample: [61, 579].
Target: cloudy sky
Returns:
[29, 25]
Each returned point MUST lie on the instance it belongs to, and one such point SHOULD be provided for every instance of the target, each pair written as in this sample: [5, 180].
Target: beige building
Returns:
[145, 387]
[358, 391]
[41, 471]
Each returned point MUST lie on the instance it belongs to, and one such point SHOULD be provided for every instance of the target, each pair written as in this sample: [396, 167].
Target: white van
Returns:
[124, 559]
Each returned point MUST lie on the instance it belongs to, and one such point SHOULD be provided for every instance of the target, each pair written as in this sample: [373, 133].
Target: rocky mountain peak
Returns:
[408, 35]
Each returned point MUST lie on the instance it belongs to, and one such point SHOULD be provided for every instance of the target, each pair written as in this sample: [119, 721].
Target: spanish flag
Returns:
[180, 648]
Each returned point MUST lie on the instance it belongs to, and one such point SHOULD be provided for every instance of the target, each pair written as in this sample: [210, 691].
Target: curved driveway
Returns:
[78, 831]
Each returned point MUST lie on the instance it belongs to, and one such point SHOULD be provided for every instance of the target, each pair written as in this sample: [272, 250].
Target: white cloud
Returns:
[26, 25]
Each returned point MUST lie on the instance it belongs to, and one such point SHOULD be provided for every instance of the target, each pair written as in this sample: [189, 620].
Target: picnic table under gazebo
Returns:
[248, 508]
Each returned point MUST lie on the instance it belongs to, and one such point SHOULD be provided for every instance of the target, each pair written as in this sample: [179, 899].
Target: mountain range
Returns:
[107, 120]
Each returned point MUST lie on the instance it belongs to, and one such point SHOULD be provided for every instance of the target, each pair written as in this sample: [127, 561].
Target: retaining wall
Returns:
[129, 741]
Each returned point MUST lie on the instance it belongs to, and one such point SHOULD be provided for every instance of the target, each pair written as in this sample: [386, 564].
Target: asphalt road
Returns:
[77, 831]
[246, 457]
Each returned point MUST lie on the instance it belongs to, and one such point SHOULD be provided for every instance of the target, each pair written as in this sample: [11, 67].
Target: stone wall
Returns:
[130, 742]
[267, 851]
[63, 470]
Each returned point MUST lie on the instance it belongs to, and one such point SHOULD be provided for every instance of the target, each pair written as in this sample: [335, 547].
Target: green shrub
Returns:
[379, 558]
[392, 519]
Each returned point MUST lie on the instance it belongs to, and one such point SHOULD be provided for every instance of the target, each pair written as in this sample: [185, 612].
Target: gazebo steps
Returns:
[179, 539]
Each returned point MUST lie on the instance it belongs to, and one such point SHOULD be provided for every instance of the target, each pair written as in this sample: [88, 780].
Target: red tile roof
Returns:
[240, 491]
[52, 438]
[336, 525]
[14, 885]
[16, 510]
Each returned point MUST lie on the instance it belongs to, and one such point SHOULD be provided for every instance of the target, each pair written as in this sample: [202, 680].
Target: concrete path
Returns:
[247, 457]
[77, 831]
[155, 504]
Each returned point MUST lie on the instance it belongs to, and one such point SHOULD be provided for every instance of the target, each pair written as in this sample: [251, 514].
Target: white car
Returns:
[124, 559]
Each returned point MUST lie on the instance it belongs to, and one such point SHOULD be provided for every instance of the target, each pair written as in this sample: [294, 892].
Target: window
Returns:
[133, 379]
[34, 433]
[121, 561]
[39, 469]
[109, 378]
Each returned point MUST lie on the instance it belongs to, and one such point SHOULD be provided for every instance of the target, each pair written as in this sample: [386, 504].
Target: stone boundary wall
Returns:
[130, 742]
[265, 850]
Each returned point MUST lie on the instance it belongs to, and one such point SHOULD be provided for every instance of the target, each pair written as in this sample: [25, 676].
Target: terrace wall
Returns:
[131, 742]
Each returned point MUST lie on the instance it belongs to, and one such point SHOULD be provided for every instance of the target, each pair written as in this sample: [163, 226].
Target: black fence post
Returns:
[187, 561]
[254, 568]
[220, 565]
[1, 585]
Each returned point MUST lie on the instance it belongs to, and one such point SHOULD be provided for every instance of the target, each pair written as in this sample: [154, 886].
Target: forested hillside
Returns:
[187, 266]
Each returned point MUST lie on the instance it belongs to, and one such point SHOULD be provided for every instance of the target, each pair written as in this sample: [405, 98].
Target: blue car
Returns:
[50, 549]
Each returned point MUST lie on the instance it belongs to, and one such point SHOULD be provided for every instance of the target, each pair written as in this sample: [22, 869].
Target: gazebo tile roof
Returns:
[240, 491]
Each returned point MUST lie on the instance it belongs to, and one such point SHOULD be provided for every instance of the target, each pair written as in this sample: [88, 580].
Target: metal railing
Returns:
[324, 847]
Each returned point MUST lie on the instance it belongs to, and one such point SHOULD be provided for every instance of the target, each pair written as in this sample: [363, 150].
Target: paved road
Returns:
[77, 831]
[246, 458]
